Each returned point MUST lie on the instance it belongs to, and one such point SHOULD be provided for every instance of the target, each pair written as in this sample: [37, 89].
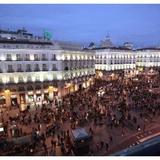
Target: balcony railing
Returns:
[28, 70]
[27, 59]
[37, 59]
[19, 59]
[44, 69]
[44, 59]
[37, 69]
[37, 80]
[76, 73]
[54, 59]
[19, 70]
[8, 59]
[54, 69]
[11, 82]
[10, 70]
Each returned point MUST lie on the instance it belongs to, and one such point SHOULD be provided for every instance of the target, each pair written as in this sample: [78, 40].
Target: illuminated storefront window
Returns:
[14, 101]
[2, 101]
[30, 97]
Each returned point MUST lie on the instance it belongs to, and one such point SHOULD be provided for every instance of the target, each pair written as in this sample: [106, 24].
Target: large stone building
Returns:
[35, 70]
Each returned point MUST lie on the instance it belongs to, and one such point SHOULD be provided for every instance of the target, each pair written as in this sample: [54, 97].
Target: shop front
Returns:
[46, 97]
[84, 85]
[72, 88]
[30, 98]
[55, 92]
[22, 101]
[76, 87]
[14, 101]
[39, 98]
[2, 101]
[87, 83]
[51, 94]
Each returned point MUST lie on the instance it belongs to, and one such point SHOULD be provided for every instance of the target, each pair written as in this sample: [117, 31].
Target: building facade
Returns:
[109, 59]
[34, 70]
[148, 57]
[119, 58]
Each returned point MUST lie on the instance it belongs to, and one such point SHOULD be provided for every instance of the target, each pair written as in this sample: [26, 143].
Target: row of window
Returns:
[118, 56]
[148, 56]
[22, 46]
[38, 78]
[43, 67]
[114, 67]
[127, 61]
[29, 68]
[35, 57]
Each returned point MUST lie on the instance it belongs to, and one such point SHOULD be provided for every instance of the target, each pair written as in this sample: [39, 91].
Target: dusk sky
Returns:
[139, 24]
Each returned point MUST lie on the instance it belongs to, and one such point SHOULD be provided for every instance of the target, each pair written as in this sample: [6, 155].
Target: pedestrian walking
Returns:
[97, 146]
[102, 144]
[110, 139]
[107, 146]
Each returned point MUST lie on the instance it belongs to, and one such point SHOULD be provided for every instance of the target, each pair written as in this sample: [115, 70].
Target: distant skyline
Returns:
[139, 24]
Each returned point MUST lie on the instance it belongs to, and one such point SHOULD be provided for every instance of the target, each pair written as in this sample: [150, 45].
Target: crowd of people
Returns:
[126, 103]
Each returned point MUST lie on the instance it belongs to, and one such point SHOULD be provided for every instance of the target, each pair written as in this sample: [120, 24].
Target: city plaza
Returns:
[47, 89]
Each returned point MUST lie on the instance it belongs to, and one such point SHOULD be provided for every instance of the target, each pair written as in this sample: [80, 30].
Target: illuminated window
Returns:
[29, 78]
[18, 57]
[11, 79]
[20, 79]
[10, 68]
[53, 57]
[9, 57]
[36, 58]
[27, 57]
[44, 57]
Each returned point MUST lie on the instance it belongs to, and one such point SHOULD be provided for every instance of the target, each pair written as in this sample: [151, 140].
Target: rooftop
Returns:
[111, 48]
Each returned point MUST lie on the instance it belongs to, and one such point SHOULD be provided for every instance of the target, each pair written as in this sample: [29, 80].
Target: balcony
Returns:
[28, 70]
[37, 81]
[11, 82]
[37, 69]
[20, 81]
[54, 69]
[8, 59]
[44, 59]
[36, 59]
[44, 69]
[54, 59]
[10, 70]
[19, 59]
[19, 70]
[27, 59]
